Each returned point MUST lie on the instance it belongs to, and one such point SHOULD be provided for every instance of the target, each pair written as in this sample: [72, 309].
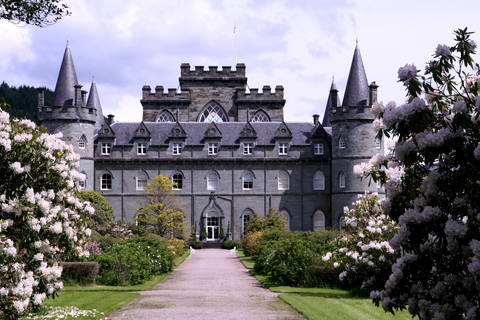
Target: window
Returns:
[283, 181]
[177, 180]
[341, 143]
[165, 116]
[283, 149]
[106, 148]
[81, 184]
[377, 143]
[106, 182]
[318, 148]
[341, 180]
[141, 149]
[319, 220]
[177, 148]
[318, 181]
[285, 217]
[142, 179]
[212, 149]
[82, 142]
[246, 217]
[260, 116]
[212, 181]
[213, 113]
[247, 148]
[248, 181]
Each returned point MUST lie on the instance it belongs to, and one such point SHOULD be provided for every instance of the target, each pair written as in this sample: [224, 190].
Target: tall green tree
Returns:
[103, 217]
[161, 210]
[40, 13]
[273, 220]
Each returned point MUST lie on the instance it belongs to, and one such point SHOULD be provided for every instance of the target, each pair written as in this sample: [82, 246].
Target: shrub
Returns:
[79, 273]
[230, 244]
[195, 244]
[249, 242]
[177, 246]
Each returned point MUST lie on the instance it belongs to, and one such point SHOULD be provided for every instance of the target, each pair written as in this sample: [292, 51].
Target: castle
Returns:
[228, 150]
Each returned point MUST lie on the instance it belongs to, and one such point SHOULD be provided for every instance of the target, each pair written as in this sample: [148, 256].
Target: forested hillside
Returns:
[23, 100]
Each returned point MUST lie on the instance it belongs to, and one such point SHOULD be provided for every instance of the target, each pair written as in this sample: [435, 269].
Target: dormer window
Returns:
[212, 149]
[177, 148]
[283, 149]
[318, 149]
[141, 149]
[247, 148]
[106, 148]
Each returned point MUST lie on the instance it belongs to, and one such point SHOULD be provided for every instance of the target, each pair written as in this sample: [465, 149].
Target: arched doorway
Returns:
[212, 224]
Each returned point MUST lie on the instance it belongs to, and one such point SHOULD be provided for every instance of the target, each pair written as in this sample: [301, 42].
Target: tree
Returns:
[432, 179]
[161, 209]
[103, 217]
[272, 220]
[41, 220]
[38, 13]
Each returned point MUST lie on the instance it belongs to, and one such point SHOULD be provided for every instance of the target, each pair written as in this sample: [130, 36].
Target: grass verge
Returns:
[325, 303]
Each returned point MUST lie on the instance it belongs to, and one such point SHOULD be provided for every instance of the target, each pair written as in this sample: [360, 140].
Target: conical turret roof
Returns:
[67, 79]
[328, 107]
[356, 92]
[94, 102]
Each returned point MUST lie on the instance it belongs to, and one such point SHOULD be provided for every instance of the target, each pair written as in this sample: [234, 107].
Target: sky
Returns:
[301, 44]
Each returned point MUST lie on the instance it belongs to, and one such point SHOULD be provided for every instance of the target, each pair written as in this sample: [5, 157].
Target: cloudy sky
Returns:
[299, 44]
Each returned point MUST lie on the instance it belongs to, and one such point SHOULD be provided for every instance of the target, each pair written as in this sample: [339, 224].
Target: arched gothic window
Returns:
[82, 142]
[213, 113]
[106, 181]
[341, 180]
[247, 181]
[286, 217]
[246, 217]
[141, 180]
[165, 116]
[318, 181]
[260, 116]
[319, 220]
[212, 181]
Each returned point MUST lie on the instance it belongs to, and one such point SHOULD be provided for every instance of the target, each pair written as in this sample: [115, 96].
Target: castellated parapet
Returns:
[362, 111]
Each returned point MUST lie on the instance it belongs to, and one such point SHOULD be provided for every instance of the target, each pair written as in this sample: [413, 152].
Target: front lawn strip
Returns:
[325, 303]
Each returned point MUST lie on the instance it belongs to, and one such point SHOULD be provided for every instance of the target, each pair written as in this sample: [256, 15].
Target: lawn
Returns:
[326, 303]
[100, 300]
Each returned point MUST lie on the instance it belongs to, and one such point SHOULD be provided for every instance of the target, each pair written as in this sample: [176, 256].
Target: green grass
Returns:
[104, 299]
[326, 303]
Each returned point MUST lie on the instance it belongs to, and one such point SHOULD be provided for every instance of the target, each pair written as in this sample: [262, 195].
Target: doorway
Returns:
[213, 226]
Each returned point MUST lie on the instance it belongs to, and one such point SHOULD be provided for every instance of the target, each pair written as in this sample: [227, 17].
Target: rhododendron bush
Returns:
[363, 255]
[41, 221]
[432, 179]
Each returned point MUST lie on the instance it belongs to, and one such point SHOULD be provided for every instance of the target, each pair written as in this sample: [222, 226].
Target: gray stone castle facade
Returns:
[227, 149]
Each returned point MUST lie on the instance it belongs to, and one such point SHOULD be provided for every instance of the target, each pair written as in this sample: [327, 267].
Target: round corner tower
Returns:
[353, 138]
[70, 115]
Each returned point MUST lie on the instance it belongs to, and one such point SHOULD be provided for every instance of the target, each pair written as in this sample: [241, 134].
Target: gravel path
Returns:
[210, 284]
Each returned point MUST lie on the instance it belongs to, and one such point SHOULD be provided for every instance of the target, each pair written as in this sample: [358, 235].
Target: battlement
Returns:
[198, 72]
[46, 113]
[362, 111]
[170, 95]
[255, 95]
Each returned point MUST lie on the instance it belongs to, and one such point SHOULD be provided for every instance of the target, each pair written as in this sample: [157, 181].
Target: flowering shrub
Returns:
[41, 221]
[134, 261]
[249, 242]
[177, 246]
[432, 180]
[363, 254]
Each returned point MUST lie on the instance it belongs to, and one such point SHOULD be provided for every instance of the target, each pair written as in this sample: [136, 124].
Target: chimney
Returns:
[373, 93]
[110, 119]
[334, 98]
[78, 95]
[41, 97]
[315, 119]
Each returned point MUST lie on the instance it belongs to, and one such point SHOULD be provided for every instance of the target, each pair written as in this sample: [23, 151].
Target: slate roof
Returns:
[67, 78]
[357, 91]
[195, 132]
[94, 102]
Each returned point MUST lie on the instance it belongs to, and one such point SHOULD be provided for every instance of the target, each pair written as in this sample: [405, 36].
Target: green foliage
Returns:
[177, 246]
[203, 235]
[102, 219]
[195, 244]
[222, 233]
[161, 210]
[230, 244]
[38, 13]
[23, 101]
[272, 220]
[134, 261]
[79, 273]
[249, 242]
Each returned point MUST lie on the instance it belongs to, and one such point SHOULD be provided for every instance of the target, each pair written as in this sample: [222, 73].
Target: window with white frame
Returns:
[341, 143]
[247, 148]
[82, 142]
[142, 179]
[318, 181]
[378, 143]
[213, 113]
[177, 180]
[81, 184]
[318, 148]
[106, 148]
[283, 149]
[106, 181]
[212, 149]
[177, 148]
[248, 181]
[141, 149]
[165, 116]
[260, 116]
[283, 181]
[212, 181]
[319, 220]
[341, 180]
